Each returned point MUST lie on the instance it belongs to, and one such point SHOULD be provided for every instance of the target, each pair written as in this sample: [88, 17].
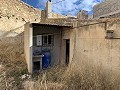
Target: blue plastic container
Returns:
[46, 59]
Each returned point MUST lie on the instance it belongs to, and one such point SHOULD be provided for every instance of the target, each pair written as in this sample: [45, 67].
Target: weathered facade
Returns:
[88, 42]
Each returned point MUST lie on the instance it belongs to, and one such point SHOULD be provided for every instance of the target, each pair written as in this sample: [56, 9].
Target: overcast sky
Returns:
[66, 7]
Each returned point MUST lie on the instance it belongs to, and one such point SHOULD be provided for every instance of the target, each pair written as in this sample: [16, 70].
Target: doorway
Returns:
[67, 51]
[36, 66]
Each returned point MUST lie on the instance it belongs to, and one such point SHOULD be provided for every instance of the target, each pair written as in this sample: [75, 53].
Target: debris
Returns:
[25, 76]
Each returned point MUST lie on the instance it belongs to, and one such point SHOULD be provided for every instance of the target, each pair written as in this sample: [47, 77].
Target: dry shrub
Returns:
[49, 79]
[11, 49]
[50, 86]
[11, 57]
[82, 77]
[30, 85]
[88, 76]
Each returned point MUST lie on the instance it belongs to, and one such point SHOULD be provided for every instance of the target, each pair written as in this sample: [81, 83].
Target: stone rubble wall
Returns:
[14, 14]
[55, 15]
[107, 8]
[18, 9]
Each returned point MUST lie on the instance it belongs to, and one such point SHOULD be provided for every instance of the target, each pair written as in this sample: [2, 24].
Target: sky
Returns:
[65, 7]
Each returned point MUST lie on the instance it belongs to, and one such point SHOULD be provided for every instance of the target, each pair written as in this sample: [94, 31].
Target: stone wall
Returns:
[14, 14]
[18, 9]
[107, 8]
[92, 46]
[55, 15]
[88, 43]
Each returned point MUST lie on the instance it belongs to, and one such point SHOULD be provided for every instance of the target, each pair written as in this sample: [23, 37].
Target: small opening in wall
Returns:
[102, 17]
[109, 34]
[36, 65]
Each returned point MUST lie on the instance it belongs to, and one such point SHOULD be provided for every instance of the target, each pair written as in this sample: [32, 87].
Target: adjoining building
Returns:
[48, 13]
[82, 14]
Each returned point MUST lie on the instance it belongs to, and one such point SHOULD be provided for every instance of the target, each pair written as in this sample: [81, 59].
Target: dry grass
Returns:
[86, 77]
[78, 76]
[12, 62]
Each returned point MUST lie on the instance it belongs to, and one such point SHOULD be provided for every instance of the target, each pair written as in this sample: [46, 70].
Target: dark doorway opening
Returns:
[36, 65]
[67, 51]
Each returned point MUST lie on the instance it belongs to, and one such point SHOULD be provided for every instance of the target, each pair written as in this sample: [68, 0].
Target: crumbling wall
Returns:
[55, 15]
[93, 47]
[88, 42]
[82, 14]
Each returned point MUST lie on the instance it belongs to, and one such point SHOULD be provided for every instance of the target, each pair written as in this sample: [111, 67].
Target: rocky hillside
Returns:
[14, 14]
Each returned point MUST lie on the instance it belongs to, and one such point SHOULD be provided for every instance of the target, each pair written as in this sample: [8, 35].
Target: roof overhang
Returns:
[51, 24]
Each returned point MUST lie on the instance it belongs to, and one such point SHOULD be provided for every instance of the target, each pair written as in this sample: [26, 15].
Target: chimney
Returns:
[49, 9]
[82, 14]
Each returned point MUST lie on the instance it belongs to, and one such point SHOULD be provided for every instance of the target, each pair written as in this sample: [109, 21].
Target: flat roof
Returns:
[79, 22]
